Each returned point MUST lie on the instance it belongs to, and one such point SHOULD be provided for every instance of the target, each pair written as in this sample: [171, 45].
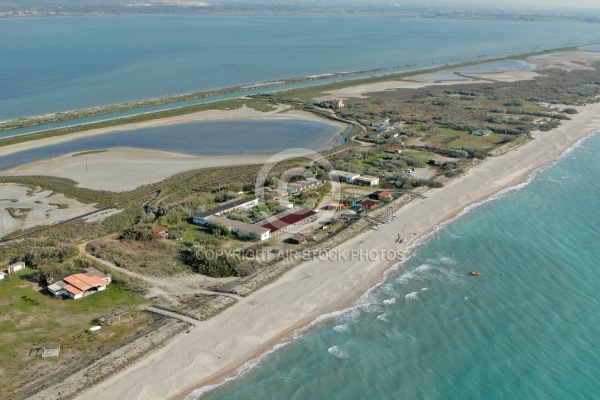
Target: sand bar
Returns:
[564, 60]
[216, 348]
[123, 169]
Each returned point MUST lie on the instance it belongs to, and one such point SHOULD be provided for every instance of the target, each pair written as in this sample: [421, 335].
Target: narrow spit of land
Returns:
[313, 288]
[249, 329]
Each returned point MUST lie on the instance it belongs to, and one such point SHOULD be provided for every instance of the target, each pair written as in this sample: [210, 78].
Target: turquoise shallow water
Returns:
[527, 328]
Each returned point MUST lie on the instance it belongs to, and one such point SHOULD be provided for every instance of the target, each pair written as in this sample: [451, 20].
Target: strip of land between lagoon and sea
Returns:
[313, 288]
[63, 122]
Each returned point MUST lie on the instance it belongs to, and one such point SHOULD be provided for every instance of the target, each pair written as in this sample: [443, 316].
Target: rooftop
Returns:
[232, 223]
[225, 206]
[286, 218]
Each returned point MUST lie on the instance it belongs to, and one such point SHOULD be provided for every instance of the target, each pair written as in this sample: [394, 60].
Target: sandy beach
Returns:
[216, 348]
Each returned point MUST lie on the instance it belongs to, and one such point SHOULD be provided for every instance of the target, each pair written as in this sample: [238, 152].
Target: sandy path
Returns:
[218, 346]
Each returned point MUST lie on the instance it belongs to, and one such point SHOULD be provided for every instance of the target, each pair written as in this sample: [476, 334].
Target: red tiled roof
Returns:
[289, 219]
[72, 289]
[83, 282]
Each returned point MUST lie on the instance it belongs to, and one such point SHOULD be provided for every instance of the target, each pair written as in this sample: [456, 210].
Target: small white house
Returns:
[343, 176]
[366, 180]
[14, 267]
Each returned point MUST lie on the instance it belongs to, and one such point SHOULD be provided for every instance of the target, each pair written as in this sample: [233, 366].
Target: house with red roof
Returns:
[80, 284]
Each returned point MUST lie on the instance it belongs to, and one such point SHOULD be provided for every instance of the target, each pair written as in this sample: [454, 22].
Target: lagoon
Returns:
[51, 65]
[207, 138]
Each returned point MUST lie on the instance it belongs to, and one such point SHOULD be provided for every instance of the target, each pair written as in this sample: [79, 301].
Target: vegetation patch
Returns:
[31, 317]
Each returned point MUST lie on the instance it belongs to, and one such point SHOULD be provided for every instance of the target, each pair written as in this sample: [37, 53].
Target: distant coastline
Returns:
[147, 105]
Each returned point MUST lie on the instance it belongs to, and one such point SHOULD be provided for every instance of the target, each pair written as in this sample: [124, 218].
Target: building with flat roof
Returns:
[242, 203]
[18, 266]
[240, 228]
[298, 239]
[344, 176]
[287, 220]
[366, 180]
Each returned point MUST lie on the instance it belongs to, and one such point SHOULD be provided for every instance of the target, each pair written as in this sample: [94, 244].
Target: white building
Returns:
[79, 285]
[366, 180]
[18, 266]
[241, 228]
[343, 176]
[237, 204]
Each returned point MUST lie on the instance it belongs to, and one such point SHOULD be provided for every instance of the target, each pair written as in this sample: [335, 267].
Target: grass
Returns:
[30, 317]
[155, 258]
[441, 136]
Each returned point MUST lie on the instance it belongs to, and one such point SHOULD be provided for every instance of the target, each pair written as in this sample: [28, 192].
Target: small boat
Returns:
[474, 273]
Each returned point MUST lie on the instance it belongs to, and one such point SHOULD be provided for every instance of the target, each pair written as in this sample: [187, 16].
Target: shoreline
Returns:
[122, 169]
[315, 288]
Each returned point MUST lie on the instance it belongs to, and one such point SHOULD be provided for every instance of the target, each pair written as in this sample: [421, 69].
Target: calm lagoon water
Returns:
[527, 328]
[209, 138]
[57, 64]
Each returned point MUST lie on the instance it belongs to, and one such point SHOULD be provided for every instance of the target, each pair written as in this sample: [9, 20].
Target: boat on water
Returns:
[474, 273]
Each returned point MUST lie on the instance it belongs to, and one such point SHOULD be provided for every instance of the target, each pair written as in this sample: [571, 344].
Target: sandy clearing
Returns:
[566, 60]
[360, 91]
[123, 169]
[43, 205]
[218, 346]
[503, 76]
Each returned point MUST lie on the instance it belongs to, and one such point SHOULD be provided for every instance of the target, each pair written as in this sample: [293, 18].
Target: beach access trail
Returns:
[214, 349]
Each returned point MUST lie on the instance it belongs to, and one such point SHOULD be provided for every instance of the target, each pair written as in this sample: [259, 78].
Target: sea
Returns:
[526, 328]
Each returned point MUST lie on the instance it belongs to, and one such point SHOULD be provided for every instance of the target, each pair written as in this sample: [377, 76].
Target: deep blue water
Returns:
[56, 64]
[209, 138]
[527, 328]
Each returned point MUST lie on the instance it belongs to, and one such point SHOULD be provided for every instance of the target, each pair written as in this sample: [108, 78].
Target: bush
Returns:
[138, 233]
[211, 262]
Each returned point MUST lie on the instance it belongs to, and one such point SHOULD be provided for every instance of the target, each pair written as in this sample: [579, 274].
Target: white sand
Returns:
[123, 169]
[565, 60]
[218, 346]
[43, 205]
